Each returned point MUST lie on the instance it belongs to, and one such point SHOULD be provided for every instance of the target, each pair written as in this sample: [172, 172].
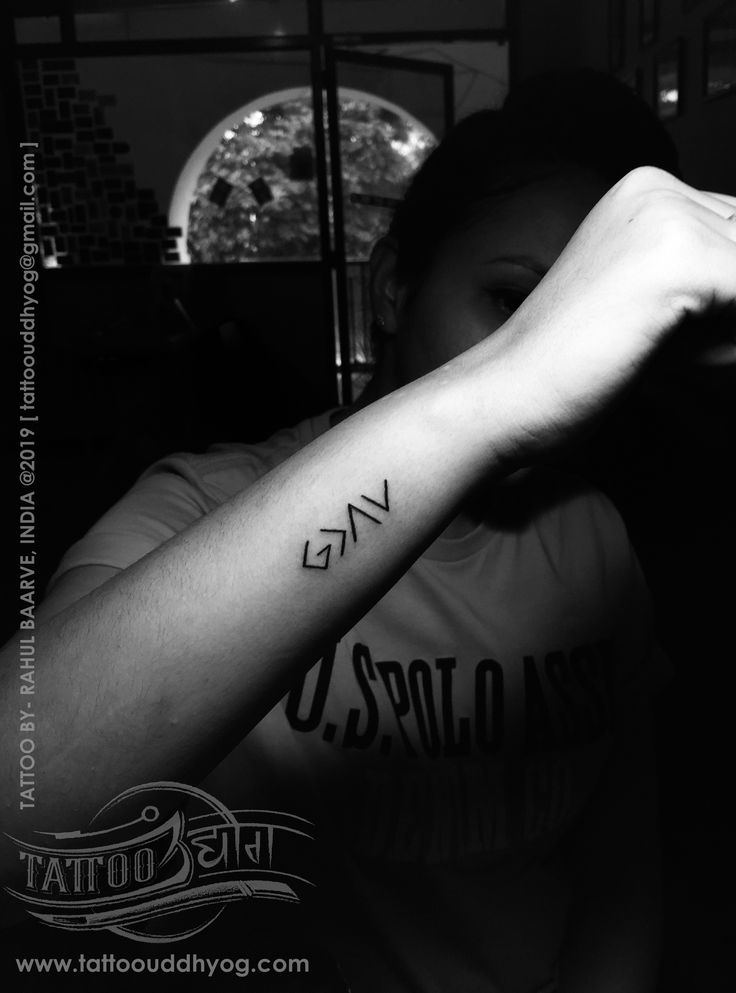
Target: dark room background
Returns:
[152, 342]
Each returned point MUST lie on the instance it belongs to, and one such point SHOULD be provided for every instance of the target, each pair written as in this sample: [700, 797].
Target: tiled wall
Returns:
[92, 211]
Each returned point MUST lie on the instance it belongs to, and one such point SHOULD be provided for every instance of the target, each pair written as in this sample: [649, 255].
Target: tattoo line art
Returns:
[321, 558]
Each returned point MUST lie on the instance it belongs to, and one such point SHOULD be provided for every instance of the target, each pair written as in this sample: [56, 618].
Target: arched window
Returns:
[249, 192]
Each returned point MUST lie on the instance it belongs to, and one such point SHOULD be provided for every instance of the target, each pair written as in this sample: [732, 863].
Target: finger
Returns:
[724, 198]
[717, 220]
[722, 203]
[718, 203]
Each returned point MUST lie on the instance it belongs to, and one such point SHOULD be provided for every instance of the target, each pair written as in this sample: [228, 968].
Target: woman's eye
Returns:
[508, 300]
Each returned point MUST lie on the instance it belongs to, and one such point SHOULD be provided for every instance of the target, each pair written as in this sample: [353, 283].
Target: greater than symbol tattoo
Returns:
[321, 559]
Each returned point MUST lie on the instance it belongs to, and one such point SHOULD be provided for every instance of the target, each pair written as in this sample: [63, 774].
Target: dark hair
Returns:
[552, 121]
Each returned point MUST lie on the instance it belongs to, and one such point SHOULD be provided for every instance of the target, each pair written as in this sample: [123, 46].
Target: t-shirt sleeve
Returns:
[611, 586]
[643, 668]
[166, 498]
[176, 491]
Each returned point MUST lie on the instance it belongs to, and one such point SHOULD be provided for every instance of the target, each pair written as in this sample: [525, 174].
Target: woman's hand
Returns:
[652, 251]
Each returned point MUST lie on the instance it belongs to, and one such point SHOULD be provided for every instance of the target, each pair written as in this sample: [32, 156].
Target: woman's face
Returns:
[482, 272]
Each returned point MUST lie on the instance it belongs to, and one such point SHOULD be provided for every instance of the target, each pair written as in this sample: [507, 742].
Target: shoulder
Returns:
[230, 467]
[176, 491]
[587, 528]
[564, 506]
[574, 529]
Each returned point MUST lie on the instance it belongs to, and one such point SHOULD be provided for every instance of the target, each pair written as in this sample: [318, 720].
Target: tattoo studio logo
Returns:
[165, 868]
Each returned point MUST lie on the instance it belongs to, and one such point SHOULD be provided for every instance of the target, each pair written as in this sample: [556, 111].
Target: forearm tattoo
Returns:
[376, 512]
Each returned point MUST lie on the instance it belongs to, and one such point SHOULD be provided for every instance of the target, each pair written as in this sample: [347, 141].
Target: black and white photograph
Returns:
[369, 542]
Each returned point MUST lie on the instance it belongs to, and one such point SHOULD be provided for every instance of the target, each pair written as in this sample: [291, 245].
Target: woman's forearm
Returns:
[155, 674]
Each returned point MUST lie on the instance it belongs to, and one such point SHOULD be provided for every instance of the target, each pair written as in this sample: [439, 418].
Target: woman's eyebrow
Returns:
[521, 260]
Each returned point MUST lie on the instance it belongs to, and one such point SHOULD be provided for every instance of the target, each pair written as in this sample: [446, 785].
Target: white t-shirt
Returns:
[451, 737]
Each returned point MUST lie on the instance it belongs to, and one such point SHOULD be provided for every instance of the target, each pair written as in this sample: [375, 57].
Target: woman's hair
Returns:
[551, 122]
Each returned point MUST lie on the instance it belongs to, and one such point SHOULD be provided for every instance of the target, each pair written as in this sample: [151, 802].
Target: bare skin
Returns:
[128, 658]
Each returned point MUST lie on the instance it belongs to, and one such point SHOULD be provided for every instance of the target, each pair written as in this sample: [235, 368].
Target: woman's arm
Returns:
[612, 940]
[157, 672]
